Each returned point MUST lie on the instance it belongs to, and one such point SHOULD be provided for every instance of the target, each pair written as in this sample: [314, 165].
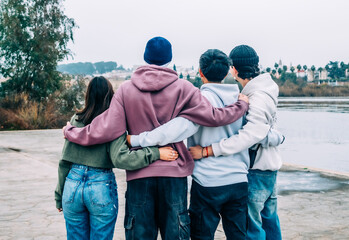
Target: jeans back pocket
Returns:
[102, 193]
[69, 190]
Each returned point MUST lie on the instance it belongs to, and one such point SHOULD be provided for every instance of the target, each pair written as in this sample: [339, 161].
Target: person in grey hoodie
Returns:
[261, 117]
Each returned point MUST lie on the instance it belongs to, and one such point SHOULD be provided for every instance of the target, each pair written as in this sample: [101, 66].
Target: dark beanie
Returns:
[158, 51]
[244, 55]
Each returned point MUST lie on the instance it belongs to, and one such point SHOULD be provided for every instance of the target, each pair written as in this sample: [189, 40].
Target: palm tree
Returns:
[305, 67]
[313, 68]
[276, 66]
[279, 71]
[299, 67]
[268, 69]
[320, 69]
[292, 69]
[273, 72]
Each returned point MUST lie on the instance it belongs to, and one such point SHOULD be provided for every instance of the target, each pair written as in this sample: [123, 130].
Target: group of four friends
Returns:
[156, 108]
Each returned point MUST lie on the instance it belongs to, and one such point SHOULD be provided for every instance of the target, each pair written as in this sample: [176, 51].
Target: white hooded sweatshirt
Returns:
[262, 92]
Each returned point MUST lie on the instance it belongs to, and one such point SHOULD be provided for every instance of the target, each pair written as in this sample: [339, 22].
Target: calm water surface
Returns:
[317, 132]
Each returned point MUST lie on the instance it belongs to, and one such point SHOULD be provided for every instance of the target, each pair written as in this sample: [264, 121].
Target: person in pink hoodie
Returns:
[156, 196]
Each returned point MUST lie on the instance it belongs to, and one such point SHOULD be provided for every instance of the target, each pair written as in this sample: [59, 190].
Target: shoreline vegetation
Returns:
[21, 112]
[28, 109]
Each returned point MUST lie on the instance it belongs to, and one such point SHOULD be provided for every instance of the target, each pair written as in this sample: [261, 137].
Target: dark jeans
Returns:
[157, 203]
[207, 204]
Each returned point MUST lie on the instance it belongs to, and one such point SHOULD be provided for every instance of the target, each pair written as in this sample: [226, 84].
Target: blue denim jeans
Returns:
[263, 219]
[209, 204]
[157, 203]
[90, 203]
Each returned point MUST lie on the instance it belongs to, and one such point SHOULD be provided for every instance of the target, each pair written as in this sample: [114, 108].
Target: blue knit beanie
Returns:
[158, 51]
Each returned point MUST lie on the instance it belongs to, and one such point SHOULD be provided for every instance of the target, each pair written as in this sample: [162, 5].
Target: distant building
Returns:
[187, 70]
[310, 76]
[301, 73]
[323, 75]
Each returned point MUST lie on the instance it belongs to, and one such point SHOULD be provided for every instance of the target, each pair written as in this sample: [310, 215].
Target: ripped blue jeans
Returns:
[90, 203]
[263, 220]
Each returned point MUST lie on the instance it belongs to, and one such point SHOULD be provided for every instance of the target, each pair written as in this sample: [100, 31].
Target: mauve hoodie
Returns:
[154, 96]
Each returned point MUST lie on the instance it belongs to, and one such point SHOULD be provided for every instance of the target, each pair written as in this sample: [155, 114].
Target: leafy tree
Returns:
[196, 81]
[120, 68]
[273, 71]
[292, 69]
[290, 77]
[284, 68]
[268, 69]
[276, 66]
[174, 67]
[305, 67]
[342, 64]
[188, 77]
[104, 67]
[181, 75]
[33, 38]
[334, 71]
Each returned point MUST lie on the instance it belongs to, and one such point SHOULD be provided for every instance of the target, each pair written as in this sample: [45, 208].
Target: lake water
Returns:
[317, 132]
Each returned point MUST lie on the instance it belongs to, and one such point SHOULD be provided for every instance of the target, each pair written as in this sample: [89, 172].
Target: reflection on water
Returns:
[326, 104]
[316, 131]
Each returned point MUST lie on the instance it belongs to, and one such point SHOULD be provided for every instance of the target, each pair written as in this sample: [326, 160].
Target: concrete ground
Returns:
[313, 204]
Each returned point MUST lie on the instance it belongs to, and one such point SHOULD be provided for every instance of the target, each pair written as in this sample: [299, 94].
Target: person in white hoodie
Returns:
[261, 117]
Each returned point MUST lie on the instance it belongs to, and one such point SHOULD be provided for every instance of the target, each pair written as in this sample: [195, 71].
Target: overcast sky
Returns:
[295, 31]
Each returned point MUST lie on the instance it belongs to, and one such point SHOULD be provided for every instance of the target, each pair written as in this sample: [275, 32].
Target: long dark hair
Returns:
[97, 99]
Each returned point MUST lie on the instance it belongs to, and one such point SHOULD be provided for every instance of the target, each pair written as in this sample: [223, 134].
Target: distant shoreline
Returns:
[289, 167]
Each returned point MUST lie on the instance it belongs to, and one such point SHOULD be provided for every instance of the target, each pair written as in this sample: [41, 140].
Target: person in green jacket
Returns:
[86, 191]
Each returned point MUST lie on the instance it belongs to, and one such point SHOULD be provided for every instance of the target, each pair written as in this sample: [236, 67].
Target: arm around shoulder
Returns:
[199, 110]
[124, 158]
[173, 131]
[104, 128]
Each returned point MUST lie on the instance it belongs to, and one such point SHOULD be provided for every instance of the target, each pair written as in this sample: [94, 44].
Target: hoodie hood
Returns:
[153, 78]
[262, 83]
[228, 93]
